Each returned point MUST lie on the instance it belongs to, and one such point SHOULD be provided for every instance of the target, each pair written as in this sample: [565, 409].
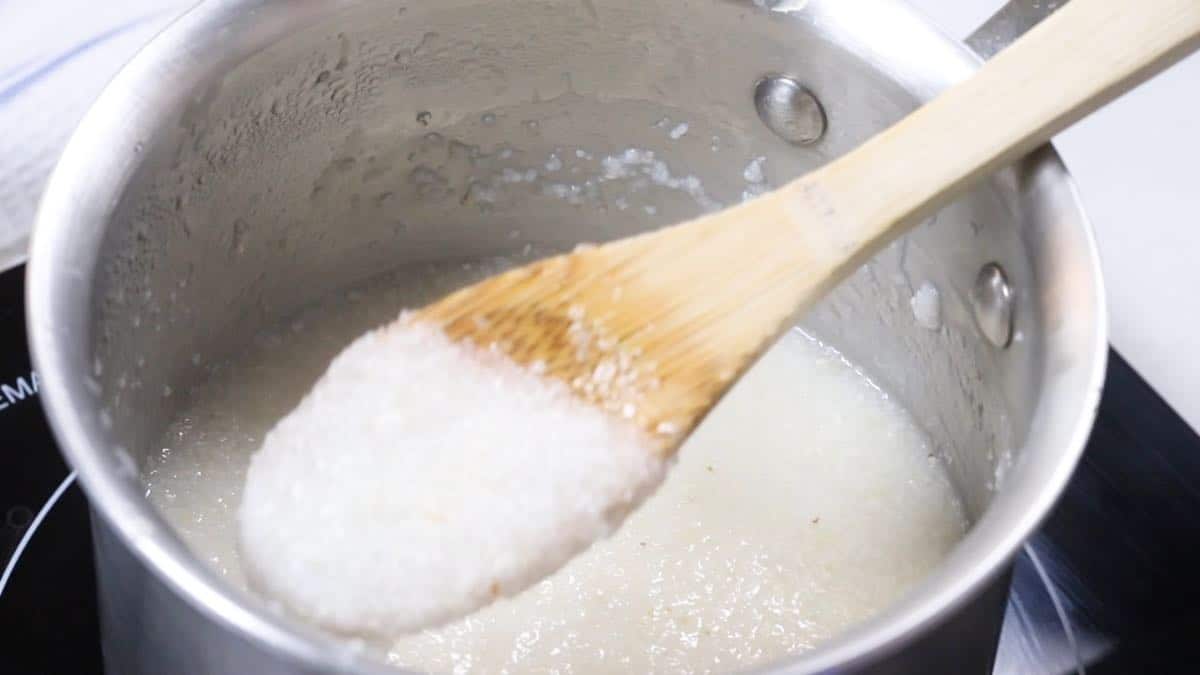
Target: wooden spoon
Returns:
[657, 327]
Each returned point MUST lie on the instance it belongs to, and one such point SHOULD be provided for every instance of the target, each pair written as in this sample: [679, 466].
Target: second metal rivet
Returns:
[789, 110]
[992, 301]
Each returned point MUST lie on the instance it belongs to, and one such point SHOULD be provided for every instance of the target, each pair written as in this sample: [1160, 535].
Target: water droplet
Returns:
[753, 173]
[926, 306]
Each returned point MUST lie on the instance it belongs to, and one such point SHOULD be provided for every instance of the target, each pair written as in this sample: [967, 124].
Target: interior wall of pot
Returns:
[388, 134]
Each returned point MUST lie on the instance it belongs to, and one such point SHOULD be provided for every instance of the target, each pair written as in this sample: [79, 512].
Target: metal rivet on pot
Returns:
[789, 110]
[992, 301]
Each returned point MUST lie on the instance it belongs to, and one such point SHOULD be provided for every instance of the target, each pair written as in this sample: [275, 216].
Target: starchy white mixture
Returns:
[805, 503]
[421, 479]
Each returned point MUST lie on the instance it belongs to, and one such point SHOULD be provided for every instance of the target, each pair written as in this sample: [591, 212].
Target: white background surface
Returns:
[1135, 161]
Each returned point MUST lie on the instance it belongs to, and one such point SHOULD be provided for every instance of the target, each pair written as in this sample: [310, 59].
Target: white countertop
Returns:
[1135, 161]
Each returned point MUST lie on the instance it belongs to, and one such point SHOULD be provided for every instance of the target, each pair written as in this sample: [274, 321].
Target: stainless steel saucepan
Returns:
[261, 153]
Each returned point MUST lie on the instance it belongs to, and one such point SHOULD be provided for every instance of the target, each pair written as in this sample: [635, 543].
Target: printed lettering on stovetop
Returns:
[20, 389]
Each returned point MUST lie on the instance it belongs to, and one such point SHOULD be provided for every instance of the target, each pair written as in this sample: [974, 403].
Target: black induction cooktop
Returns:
[1110, 584]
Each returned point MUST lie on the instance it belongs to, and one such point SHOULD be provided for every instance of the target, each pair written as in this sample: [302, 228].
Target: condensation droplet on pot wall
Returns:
[753, 173]
[927, 306]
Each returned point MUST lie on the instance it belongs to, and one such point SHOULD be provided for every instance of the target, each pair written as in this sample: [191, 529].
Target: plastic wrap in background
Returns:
[55, 57]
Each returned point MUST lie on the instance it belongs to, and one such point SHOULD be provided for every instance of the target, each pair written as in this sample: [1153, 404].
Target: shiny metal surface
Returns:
[1108, 586]
[261, 153]
[1010, 23]
[992, 300]
[790, 110]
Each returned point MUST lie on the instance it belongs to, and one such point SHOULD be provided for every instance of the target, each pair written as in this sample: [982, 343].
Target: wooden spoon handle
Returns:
[727, 283]
[1084, 55]
[690, 306]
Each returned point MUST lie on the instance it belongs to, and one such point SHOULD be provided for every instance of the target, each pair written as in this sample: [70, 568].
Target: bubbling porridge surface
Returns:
[806, 502]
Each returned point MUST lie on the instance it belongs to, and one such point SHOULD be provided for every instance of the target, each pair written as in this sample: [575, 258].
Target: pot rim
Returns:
[100, 158]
